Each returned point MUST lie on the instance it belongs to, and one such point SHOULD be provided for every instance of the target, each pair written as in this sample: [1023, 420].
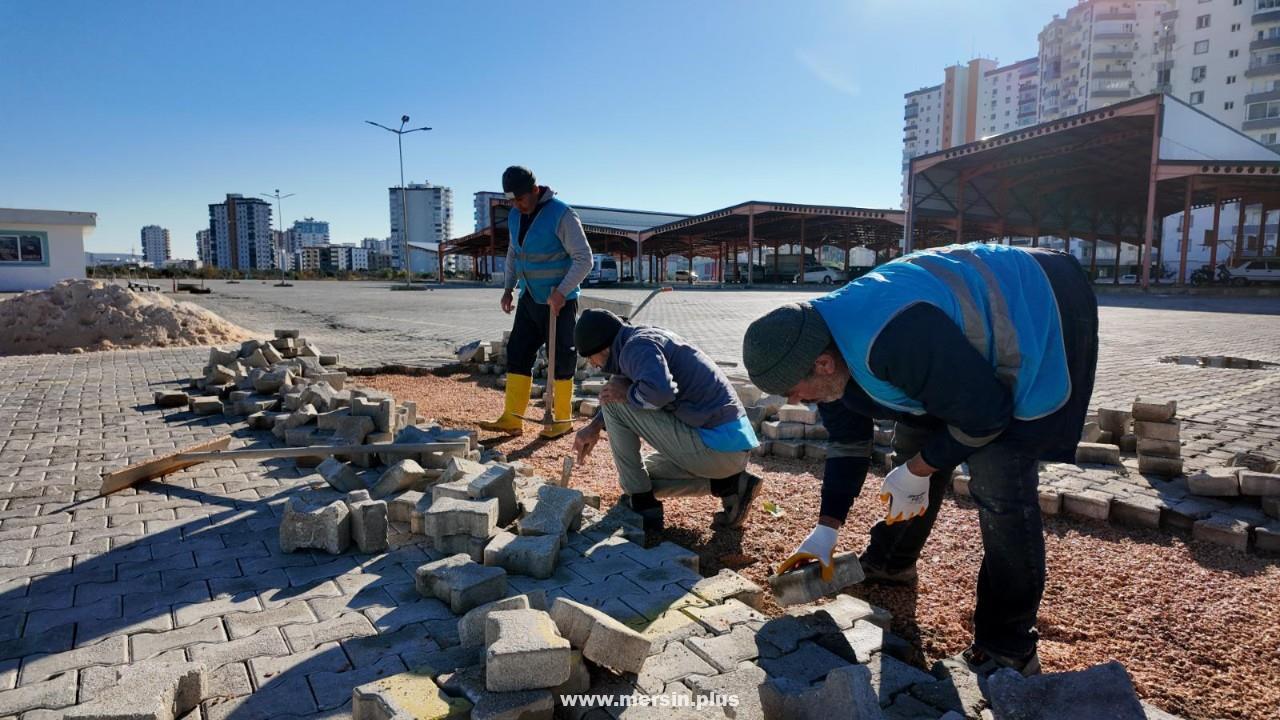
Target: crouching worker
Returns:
[671, 395]
[982, 354]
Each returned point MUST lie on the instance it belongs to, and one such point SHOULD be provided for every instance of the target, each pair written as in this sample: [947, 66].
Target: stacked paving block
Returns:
[524, 651]
[315, 524]
[1158, 432]
[793, 431]
[460, 582]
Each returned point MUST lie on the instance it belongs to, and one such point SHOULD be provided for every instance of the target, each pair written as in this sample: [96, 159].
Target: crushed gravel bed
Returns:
[1197, 625]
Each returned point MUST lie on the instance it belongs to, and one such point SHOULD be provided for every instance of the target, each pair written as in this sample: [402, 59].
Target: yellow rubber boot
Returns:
[561, 412]
[517, 402]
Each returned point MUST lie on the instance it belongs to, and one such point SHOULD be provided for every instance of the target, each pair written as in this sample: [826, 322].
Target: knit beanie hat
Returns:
[595, 331]
[781, 346]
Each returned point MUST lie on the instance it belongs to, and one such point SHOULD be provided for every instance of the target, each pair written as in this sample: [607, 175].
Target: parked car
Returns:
[817, 273]
[686, 276]
[1255, 271]
[604, 269]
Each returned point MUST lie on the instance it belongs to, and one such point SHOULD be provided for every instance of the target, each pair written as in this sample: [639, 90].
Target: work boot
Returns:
[517, 402]
[878, 573]
[737, 505]
[649, 508]
[562, 412]
[984, 662]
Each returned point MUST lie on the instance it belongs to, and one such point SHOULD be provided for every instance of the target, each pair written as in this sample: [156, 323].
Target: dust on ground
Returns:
[1195, 624]
[88, 315]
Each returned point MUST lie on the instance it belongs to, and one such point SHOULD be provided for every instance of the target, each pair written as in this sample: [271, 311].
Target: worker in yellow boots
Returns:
[548, 258]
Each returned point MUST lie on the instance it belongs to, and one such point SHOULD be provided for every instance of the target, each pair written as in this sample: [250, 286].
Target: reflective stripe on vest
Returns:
[541, 261]
[998, 296]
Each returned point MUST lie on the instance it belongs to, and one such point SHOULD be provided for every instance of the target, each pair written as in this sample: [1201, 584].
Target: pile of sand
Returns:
[81, 315]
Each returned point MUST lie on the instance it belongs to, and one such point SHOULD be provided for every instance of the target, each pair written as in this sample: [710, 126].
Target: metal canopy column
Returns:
[1115, 280]
[1148, 227]
[1235, 256]
[1213, 248]
[1186, 234]
[751, 241]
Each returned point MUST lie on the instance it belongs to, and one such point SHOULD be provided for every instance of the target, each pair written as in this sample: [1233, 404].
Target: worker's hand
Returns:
[584, 441]
[556, 301]
[507, 305]
[819, 547]
[906, 493]
[615, 391]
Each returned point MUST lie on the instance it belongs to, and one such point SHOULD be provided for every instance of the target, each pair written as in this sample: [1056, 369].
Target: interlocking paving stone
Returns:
[57, 692]
[147, 645]
[112, 651]
[266, 641]
[305, 637]
[243, 624]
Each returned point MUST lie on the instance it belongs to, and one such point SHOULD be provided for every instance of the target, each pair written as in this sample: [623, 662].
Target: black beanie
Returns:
[595, 331]
[518, 180]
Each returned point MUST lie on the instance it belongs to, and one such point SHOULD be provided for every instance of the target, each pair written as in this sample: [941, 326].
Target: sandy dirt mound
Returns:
[87, 315]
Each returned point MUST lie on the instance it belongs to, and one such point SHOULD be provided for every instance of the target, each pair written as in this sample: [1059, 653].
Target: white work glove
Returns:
[906, 493]
[819, 547]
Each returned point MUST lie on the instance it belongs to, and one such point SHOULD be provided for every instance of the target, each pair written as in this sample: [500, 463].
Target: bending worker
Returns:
[982, 354]
[671, 395]
[549, 256]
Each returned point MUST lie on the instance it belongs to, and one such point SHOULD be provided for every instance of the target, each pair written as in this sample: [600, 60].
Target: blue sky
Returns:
[146, 112]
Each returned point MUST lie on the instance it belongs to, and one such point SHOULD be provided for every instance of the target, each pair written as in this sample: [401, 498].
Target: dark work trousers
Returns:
[529, 332]
[1004, 479]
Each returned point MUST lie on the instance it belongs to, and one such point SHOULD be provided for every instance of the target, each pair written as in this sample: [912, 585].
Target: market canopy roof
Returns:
[609, 230]
[770, 223]
[1089, 175]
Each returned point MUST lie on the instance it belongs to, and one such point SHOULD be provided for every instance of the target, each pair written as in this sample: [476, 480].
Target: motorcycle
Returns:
[1204, 276]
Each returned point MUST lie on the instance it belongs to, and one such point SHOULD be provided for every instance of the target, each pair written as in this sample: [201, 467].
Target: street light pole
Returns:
[404, 205]
[283, 237]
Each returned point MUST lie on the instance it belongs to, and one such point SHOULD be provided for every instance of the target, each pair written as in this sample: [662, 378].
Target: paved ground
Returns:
[191, 568]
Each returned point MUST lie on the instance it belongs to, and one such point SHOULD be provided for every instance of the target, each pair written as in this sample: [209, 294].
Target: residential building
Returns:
[306, 233]
[380, 245]
[1009, 98]
[240, 234]
[430, 216]
[482, 203]
[105, 259]
[203, 238]
[38, 248]
[155, 245]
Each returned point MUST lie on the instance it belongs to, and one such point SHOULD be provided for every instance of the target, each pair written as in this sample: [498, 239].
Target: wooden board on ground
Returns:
[157, 467]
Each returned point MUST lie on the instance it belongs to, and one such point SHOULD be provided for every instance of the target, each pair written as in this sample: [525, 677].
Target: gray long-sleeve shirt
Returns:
[574, 240]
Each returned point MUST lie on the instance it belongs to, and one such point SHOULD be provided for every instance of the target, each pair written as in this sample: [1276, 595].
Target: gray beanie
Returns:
[780, 347]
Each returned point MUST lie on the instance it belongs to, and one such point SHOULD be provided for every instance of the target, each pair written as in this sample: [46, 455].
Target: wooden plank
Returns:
[157, 467]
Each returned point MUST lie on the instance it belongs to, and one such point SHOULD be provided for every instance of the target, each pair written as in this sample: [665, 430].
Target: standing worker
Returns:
[669, 394]
[982, 354]
[548, 254]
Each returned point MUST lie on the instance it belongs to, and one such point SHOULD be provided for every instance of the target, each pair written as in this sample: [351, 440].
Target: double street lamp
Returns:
[284, 237]
[404, 205]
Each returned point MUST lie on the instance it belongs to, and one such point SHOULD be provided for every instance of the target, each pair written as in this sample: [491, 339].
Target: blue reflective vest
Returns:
[999, 296]
[541, 262]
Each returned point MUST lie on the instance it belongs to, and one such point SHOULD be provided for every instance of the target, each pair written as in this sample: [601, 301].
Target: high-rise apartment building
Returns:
[202, 245]
[240, 234]
[307, 233]
[482, 203]
[430, 216]
[155, 245]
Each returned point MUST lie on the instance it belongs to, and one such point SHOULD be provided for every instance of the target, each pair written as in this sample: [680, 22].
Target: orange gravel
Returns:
[1197, 625]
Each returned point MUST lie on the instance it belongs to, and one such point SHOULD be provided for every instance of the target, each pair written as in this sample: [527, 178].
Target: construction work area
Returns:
[307, 522]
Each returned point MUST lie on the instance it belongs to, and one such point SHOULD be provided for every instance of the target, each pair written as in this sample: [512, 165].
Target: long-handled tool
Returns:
[549, 395]
[216, 450]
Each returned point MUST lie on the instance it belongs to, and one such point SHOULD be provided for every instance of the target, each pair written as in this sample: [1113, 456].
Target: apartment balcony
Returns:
[1264, 43]
[1266, 16]
[1114, 55]
[909, 139]
[1113, 75]
[1261, 124]
[1114, 36]
[1263, 70]
[1073, 65]
[1261, 97]
[1102, 17]
[1169, 16]
[1110, 93]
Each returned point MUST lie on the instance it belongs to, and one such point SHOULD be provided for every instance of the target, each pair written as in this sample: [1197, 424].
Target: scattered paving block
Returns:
[725, 652]
[532, 555]
[451, 516]
[460, 582]
[398, 478]
[340, 476]
[1184, 514]
[1128, 443]
[744, 683]
[728, 584]
[291, 334]
[1267, 538]
[1115, 422]
[406, 696]
[171, 398]
[603, 640]
[674, 663]
[525, 651]
[369, 525]
[471, 628]
[806, 584]
[721, 619]
[472, 547]
[146, 691]
[1157, 465]
[1097, 453]
[319, 525]
[778, 430]
[1154, 410]
[1088, 504]
[1137, 510]
[302, 416]
[381, 411]
[1091, 433]
[589, 407]
[461, 469]
[788, 449]
[847, 687]
[1098, 692]
[273, 380]
[1170, 430]
[1163, 448]
[1050, 502]
[805, 414]
[206, 405]
[352, 429]
[815, 450]
[469, 682]
[1223, 529]
[558, 511]
[1258, 483]
[497, 482]
[1215, 482]
[321, 395]
[220, 375]
[400, 507]
[458, 490]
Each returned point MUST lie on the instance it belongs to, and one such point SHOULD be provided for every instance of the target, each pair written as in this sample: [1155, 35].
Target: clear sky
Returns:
[146, 112]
